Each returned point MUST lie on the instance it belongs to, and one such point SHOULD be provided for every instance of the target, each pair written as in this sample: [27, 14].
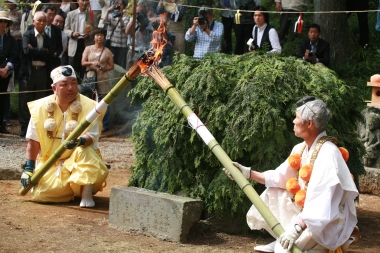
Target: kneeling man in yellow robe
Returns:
[80, 170]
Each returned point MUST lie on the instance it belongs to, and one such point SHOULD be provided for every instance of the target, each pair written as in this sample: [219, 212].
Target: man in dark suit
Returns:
[9, 59]
[55, 34]
[315, 50]
[37, 55]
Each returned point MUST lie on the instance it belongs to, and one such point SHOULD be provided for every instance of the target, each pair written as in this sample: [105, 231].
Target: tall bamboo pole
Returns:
[156, 74]
[133, 72]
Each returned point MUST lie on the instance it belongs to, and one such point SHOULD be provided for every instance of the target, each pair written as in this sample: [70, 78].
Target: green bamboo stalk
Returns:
[133, 72]
[218, 151]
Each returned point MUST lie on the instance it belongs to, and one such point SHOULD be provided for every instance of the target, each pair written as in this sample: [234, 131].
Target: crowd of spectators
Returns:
[51, 33]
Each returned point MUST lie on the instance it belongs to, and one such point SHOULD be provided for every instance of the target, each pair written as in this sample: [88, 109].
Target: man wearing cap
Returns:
[9, 59]
[15, 15]
[206, 32]
[326, 218]
[80, 170]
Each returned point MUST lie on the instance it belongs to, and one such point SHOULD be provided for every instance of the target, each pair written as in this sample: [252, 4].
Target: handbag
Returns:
[89, 83]
[107, 42]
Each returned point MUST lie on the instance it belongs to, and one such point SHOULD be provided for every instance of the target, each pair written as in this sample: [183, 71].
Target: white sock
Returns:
[87, 200]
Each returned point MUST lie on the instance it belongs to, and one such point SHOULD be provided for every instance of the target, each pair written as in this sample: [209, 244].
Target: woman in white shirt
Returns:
[264, 36]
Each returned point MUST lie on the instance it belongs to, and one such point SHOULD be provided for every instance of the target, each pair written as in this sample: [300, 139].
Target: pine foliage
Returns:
[247, 103]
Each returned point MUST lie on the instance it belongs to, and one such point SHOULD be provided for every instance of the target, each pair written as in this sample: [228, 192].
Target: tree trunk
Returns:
[334, 29]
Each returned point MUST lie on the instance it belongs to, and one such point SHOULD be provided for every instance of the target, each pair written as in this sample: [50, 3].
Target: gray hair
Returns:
[38, 14]
[317, 112]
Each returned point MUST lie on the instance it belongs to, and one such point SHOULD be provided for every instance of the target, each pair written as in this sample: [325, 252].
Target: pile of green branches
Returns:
[247, 103]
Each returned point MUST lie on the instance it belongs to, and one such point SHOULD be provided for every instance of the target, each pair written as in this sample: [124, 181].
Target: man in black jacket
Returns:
[9, 58]
[37, 55]
[315, 50]
[55, 34]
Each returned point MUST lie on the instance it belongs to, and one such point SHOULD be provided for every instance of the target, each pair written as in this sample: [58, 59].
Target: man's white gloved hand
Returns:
[290, 235]
[246, 171]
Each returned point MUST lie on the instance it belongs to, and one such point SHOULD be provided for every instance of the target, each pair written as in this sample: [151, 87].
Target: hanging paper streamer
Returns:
[237, 17]
[91, 14]
[298, 25]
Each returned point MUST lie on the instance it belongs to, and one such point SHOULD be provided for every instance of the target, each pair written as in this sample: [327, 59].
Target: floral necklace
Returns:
[305, 171]
[50, 124]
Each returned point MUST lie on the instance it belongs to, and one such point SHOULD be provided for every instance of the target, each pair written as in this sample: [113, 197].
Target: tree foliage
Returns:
[247, 103]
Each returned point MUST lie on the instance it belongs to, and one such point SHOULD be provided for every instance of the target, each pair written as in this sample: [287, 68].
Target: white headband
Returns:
[61, 73]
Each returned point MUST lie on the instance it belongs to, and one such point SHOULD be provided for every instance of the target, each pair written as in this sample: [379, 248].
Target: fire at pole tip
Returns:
[151, 57]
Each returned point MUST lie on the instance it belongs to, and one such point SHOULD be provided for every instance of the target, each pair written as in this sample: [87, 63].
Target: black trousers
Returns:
[360, 5]
[287, 22]
[76, 61]
[36, 81]
[242, 33]
[120, 56]
[52, 65]
[3, 88]
[228, 24]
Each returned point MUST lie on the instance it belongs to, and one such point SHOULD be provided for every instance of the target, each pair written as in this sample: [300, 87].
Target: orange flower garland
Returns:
[293, 185]
[345, 153]
[305, 172]
[295, 161]
[300, 198]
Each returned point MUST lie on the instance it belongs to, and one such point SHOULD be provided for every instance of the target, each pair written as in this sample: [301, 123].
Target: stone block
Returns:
[161, 215]
[370, 182]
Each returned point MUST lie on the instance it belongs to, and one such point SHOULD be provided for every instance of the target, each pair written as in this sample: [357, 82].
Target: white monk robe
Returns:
[329, 211]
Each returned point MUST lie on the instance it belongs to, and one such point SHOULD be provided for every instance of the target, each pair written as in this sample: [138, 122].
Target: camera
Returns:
[201, 17]
[201, 20]
[100, 67]
[155, 25]
[116, 14]
[142, 18]
[311, 54]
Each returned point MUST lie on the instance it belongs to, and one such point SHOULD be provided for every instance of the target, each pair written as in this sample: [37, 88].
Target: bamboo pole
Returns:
[156, 74]
[132, 73]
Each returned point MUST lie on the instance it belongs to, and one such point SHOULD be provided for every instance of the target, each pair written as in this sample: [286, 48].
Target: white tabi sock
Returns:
[87, 200]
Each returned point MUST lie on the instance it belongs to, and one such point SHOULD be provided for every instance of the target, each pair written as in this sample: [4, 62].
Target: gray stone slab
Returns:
[161, 215]
[370, 182]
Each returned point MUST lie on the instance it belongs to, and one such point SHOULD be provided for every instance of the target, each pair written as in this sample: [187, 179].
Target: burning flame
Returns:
[159, 40]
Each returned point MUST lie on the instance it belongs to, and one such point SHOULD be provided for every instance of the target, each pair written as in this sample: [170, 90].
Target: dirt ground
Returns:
[27, 226]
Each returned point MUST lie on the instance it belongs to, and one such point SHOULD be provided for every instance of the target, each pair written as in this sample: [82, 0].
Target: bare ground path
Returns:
[26, 226]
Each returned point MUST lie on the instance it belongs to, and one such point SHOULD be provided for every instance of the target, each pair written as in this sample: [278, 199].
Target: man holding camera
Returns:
[143, 35]
[206, 32]
[315, 50]
[117, 20]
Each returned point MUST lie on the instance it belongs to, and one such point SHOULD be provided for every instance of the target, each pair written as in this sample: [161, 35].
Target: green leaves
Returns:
[247, 103]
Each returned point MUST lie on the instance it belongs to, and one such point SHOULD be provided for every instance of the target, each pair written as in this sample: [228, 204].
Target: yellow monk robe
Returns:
[77, 167]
